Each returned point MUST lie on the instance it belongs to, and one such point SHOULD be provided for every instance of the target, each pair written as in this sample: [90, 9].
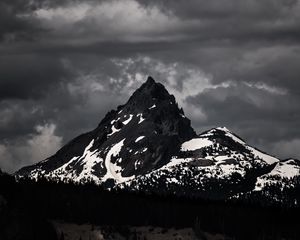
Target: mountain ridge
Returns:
[149, 144]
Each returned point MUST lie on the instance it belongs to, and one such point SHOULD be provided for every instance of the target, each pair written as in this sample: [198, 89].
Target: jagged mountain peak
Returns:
[149, 95]
[138, 137]
[154, 90]
[153, 106]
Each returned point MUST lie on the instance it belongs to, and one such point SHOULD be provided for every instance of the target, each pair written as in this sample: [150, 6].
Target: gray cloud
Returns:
[16, 21]
[29, 76]
[64, 64]
[37, 146]
[263, 116]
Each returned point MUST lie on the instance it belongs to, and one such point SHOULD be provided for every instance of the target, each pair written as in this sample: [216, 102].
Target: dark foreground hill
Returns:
[29, 209]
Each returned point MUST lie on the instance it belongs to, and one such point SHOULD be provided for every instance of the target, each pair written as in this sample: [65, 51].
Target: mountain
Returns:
[148, 145]
[214, 160]
[135, 139]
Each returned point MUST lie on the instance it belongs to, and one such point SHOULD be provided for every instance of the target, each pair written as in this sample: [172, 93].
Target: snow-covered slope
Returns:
[222, 152]
[216, 157]
[284, 170]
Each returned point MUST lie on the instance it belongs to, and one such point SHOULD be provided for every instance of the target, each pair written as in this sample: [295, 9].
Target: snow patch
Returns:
[90, 160]
[113, 171]
[221, 158]
[196, 143]
[113, 121]
[141, 118]
[176, 161]
[139, 138]
[114, 130]
[235, 138]
[128, 120]
[153, 106]
[136, 164]
[265, 157]
[224, 129]
[144, 150]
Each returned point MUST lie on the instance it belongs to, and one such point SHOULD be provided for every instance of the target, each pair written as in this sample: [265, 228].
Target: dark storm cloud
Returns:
[29, 76]
[216, 10]
[262, 117]
[231, 20]
[248, 104]
[64, 64]
[14, 23]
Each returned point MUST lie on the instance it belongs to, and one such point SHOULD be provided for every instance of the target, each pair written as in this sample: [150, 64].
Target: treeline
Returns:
[17, 220]
[36, 202]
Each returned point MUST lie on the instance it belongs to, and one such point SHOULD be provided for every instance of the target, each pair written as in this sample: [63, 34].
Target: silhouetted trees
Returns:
[242, 218]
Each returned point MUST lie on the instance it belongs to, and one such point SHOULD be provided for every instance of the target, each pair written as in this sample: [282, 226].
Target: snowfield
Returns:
[196, 143]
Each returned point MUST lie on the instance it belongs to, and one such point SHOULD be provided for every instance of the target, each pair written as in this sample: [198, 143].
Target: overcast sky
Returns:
[64, 64]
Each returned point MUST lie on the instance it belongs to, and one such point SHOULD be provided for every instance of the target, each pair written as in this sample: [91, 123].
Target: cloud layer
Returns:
[63, 64]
